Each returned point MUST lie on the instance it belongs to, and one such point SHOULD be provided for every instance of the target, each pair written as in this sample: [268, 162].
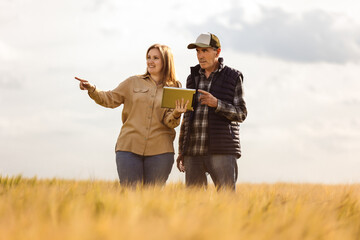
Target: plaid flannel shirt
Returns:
[198, 140]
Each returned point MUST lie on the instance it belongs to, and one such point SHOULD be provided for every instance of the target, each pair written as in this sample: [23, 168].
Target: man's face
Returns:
[207, 58]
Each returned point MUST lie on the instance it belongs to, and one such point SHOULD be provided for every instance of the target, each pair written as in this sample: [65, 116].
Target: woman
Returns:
[144, 148]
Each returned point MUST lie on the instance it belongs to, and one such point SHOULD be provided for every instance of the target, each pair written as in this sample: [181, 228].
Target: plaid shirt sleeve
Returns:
[236, 111]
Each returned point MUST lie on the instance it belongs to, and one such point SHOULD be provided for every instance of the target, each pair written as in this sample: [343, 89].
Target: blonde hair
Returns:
[168, 70]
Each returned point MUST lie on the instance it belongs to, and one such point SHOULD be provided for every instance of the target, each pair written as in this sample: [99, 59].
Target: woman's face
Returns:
[154, 62]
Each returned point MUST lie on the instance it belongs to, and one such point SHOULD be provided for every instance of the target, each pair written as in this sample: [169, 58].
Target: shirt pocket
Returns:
[140, 95]
[140, 90]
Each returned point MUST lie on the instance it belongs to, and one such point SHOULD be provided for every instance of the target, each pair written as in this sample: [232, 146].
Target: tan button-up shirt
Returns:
[147, 128]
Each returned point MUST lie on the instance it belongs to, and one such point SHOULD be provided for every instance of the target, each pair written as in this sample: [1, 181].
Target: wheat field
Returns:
[32, 208]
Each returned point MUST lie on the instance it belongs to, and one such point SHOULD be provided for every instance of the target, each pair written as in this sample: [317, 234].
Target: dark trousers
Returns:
[222, 170]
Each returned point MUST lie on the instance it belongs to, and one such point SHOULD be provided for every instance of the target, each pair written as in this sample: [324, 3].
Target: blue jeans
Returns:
[136, 169]
[222, 169]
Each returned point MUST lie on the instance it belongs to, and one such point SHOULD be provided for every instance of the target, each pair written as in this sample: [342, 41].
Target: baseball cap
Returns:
[205, 40]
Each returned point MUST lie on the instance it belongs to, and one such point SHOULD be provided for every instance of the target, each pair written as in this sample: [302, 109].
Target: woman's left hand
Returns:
[180, 107]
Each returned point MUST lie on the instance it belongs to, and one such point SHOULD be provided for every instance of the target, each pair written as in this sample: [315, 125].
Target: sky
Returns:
[300, 61]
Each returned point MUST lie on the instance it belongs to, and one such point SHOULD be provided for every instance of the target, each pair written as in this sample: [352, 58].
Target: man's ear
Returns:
[218, 52]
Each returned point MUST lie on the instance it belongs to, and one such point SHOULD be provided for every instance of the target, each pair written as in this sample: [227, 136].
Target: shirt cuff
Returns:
[94, 93]
[172, 122]
[220, 107]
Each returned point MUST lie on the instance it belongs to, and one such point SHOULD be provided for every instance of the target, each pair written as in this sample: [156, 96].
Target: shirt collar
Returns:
[147, 77]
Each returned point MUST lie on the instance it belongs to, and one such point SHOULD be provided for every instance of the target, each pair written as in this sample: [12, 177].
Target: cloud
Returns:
[313, 36]
[8, 81]
[7, 52]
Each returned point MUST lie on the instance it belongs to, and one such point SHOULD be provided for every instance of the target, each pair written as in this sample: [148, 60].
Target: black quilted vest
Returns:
[223, 134]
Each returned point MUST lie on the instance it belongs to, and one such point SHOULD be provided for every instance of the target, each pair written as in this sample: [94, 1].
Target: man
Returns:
[209, 136]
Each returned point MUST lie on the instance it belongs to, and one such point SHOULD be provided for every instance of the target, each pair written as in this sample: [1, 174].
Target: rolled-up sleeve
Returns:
[169, 119]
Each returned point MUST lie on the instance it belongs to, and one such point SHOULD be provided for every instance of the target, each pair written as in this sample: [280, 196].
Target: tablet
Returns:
[171, 94]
